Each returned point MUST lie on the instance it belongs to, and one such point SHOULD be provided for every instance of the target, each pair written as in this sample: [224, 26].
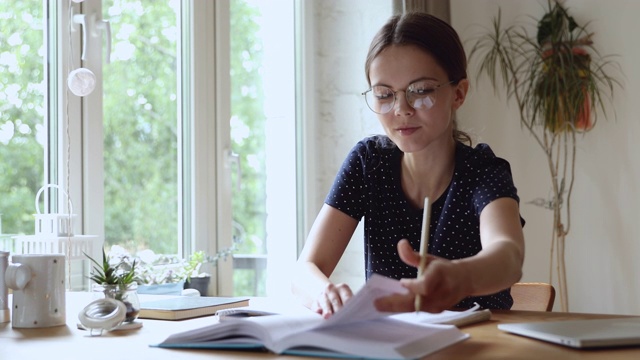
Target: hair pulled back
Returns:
[430, 34]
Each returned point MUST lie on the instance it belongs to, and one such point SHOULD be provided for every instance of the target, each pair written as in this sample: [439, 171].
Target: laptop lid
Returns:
[581, 333]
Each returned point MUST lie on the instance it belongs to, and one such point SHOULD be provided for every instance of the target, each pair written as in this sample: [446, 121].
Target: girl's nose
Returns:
[401, 105]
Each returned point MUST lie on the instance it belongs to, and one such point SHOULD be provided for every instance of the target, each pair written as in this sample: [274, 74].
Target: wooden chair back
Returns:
[533, 296]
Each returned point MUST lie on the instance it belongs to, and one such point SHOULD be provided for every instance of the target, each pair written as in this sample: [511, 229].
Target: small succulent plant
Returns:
[105, 273]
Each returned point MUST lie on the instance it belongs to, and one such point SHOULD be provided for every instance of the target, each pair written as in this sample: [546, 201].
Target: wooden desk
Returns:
[68, 342]
[487, 342]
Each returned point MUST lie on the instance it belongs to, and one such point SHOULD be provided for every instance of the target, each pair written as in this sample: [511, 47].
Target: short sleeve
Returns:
[348, 189]
[490, 177]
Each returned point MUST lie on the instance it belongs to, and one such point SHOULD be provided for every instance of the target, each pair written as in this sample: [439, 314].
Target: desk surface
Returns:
[68, 342]
[487, 342]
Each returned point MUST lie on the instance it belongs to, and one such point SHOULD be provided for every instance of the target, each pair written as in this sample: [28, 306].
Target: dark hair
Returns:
[430, 34]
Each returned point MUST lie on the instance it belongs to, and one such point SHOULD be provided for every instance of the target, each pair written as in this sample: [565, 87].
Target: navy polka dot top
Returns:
[368, 185]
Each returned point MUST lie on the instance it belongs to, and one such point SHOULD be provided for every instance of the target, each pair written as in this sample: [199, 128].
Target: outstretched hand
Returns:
[442, 284]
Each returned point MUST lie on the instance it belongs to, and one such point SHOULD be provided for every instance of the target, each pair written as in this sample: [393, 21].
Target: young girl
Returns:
[416, 69]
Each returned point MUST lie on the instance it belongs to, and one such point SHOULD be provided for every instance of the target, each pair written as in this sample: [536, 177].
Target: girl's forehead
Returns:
[402, 63]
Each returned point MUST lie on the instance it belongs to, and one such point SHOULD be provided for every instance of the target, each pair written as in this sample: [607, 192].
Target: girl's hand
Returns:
[442, 285]
[331, 299]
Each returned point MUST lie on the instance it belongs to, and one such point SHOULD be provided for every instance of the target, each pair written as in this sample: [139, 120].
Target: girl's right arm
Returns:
[329, 236]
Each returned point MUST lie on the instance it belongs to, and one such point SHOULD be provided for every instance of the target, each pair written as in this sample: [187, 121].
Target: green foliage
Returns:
[249, 198]
[555, 25]
[141, 125]
[107, 273]
[556, 77]
[247, 283]
[22, 112]
[192, 266]
[194, 263]
[146, 267]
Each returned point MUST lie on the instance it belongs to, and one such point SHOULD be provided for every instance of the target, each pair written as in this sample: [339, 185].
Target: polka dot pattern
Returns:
[368, 185]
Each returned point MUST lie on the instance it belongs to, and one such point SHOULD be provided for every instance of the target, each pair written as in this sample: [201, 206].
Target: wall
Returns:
[605, 233]
[604, 236]
[344, 31]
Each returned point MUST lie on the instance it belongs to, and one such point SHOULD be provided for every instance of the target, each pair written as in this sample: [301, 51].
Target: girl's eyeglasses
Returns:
[419, 95]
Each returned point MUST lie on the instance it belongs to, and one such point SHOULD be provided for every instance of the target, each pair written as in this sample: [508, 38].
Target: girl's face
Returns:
[430, 120]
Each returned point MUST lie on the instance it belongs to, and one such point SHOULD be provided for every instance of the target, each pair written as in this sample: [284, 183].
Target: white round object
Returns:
[103, 314]
[134, 325]
[81, 81]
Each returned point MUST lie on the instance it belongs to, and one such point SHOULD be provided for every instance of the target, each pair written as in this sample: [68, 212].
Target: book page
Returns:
[360, 307]
[458, 318]
[218, 331]
[281, 326]
[265, 330]
[382, 338]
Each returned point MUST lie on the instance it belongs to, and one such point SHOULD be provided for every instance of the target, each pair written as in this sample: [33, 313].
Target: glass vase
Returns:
[127, 294]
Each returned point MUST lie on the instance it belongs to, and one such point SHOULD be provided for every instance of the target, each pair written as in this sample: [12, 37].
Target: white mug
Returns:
[38, 290]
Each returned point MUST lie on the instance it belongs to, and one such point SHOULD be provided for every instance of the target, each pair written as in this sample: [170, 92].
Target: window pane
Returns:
[141, 126]
[22, 115]
[263, 137]
[248, 141]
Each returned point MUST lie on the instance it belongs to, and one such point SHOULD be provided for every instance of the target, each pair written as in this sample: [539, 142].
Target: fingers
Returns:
[434, 302]
[395, 303]
[345, 292]
[438, 286]
[332, 299]
[407, 254]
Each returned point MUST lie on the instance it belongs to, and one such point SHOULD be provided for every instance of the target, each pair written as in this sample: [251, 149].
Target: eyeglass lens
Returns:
[419, 95]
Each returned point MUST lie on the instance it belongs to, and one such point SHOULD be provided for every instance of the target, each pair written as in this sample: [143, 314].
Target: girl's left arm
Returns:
[445, 282]
[499, 264]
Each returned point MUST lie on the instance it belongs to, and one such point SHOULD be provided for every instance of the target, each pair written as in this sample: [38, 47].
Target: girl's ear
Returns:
[460, 93]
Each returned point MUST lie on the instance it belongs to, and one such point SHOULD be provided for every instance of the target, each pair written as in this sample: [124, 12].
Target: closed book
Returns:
[187, 307]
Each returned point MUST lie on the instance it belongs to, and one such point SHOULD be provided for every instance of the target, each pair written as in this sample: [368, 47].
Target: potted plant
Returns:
[158, 274]
[166, 274]
[194, 277]
[117, 281]
[558, 80]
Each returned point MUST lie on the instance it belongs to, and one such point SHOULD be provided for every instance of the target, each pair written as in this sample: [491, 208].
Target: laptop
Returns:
[591, 333]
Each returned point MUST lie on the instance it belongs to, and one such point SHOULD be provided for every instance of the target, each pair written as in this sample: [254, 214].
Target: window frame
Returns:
[76, 131]
[210, 167]
[204, 142]
[72, 152]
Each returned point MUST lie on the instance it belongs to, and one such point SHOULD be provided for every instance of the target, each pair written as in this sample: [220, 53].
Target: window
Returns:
[187, 142]
[263, 136]
[23, 114]
[141, 125]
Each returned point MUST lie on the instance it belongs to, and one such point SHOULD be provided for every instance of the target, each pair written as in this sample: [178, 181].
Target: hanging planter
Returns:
[563, 86]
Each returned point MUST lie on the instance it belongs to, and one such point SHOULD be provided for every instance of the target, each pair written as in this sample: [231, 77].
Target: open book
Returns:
[358, 330]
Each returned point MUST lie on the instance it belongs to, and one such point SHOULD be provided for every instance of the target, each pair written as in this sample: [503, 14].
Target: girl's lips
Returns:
[407, 130]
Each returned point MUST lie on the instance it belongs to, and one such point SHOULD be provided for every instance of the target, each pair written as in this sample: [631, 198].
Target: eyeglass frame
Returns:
[395, 97]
